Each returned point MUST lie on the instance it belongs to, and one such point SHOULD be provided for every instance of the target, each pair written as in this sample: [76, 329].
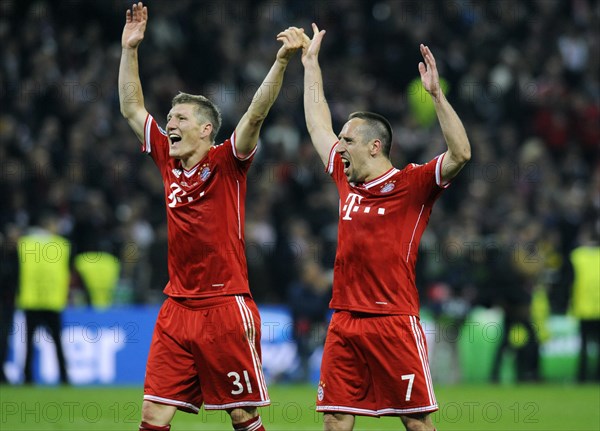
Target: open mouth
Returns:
[174, 138]
[346, 164]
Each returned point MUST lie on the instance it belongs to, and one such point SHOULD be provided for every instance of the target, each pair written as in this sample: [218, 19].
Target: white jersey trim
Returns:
[331, 158]
[235, 149]
[380, 412]
[438, 172]
[235, 405]
[239, 219]
[191, 172]
[171, 402]
[146, 146]
[381, 179]
[414, 231]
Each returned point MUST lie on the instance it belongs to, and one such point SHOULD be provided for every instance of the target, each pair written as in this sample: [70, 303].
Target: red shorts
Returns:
[206, 351]
[375, 366]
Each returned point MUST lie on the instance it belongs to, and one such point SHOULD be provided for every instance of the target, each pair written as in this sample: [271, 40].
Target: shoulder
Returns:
[219, 150]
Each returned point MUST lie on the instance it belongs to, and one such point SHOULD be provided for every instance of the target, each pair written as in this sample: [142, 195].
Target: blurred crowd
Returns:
[523, 76]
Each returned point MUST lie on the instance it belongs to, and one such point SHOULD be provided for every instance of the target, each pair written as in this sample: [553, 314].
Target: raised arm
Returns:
[316, 109]
[131, 98]
[459, 149]
[248, 129]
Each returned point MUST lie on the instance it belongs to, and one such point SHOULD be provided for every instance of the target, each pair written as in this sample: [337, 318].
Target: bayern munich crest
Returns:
[320, 393]
[388, 187]
[204, 172]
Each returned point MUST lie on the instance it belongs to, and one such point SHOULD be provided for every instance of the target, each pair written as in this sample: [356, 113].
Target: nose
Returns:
[340, 148]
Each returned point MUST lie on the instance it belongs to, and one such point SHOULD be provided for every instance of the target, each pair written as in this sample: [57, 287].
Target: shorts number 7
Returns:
[411, 379]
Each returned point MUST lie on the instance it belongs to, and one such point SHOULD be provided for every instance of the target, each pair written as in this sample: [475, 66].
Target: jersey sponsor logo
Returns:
[178, 195]
[204, 172]
[388, 187]
[352, 204]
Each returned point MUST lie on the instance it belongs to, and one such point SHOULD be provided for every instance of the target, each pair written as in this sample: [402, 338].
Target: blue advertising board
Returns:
[111, 346]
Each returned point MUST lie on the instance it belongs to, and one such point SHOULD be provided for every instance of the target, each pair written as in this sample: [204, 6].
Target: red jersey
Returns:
[205, 217]
[380, 226]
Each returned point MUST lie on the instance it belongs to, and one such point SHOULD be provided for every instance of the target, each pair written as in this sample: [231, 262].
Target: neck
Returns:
[379, 168]
[193, 159]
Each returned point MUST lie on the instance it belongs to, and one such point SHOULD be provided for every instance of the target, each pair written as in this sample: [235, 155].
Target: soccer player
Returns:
[206, 342]
[375, 359]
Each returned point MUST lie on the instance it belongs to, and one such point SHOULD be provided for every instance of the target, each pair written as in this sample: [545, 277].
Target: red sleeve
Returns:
[229, 157]
[335, 166]
[156, 142]
[427, 178]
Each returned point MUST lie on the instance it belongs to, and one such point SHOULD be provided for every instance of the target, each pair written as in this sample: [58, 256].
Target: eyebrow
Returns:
[176, 114]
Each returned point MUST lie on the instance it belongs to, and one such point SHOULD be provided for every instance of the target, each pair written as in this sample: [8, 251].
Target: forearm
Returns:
[266, 94]
[131, 98]
[316, 109]
[453, 130]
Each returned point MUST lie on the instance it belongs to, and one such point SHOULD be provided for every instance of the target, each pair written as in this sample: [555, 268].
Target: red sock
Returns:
[254, 424]
[147, 426]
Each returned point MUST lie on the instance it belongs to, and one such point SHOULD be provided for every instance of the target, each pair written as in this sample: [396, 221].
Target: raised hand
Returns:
[311, 47]
[292, 39]
[429, 73]
[135, 25]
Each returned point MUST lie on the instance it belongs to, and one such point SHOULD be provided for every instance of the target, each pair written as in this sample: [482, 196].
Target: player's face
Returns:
[354, 151]
[184, 130]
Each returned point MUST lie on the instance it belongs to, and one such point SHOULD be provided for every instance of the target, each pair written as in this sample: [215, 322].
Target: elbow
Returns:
[313, 125]
[126, 111]
[461, 156]
[256, 119]
[466, 154]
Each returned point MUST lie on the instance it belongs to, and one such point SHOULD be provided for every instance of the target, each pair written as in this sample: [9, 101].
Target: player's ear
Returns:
[375, 146]
[207, 129]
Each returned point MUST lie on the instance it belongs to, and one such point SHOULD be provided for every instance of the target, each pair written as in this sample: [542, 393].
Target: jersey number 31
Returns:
[239, 387]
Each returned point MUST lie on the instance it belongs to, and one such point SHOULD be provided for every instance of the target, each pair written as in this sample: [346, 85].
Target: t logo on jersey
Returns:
[178, 195]
[175, 191]
[351, 204]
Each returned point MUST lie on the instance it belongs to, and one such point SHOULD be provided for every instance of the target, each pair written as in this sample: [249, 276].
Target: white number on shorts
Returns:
[411, 379]
[238, 385]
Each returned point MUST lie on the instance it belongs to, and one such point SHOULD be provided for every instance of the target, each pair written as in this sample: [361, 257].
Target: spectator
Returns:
[308, 299]
[9, 279]
[585, 301]
[44, 259]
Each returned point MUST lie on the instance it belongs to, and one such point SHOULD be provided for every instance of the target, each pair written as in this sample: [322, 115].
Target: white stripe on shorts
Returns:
[250, 329]
[423, 355]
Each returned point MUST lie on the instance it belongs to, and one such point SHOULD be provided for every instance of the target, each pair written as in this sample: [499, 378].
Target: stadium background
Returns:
[523, 76]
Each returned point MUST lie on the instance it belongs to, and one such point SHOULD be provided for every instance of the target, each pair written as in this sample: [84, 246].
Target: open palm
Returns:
[135, 25]
[429, 73]
[311, 47]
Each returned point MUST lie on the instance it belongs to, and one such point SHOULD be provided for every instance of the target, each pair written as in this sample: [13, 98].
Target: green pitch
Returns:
[514, 408]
